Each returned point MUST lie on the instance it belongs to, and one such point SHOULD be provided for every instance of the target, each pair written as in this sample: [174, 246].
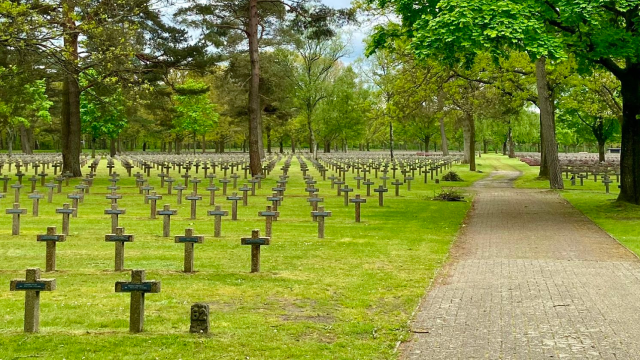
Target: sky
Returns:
[357, 34]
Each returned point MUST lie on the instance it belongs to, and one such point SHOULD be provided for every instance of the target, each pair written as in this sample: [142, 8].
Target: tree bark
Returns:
[281, 147]
[312, 136]
[26, 139]
[630, 152]
[204, 143]
[512, 145]
[255, 110]
[70, 119]
[268, 139]
[391, 139]
[601, 154]
[550, 146]
[469, 132]
[112, 147]
[544, 166]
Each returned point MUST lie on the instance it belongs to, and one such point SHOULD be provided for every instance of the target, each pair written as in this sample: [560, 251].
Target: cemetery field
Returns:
[348, 296]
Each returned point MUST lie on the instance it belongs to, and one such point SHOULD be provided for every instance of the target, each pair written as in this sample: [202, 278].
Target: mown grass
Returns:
[348, 296]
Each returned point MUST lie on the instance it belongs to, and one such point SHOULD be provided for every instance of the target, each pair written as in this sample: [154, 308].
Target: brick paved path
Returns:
[530, 278]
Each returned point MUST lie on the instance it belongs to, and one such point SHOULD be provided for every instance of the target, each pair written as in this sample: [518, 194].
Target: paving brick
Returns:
[530, 278]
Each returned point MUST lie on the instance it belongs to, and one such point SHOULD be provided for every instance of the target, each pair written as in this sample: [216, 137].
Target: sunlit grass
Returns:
[348, 296]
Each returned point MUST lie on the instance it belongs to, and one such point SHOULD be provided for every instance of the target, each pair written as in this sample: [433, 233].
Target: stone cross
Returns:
[179, 188]
[66, 211]
[166, 221]
[169, 181]
[59, 181]
[320, 215]
[16, 212]
[153, 200]
[255, 241]
[145, 191]
[346, 190]
[32, 286]
[368, 183]
[275, 201]
[224, 183]
[33, 181]
[218, 213]
[408, 179]
[50, 186]
[194, 198]
[195, 181]
[314, 200]
[17, 187]
[270, 216]
[162, 176]
[606, 181]
[358, 179]
[115, 213]
[381, 190]
[212, 191]
[235, 178]
[113, 197]
[75, 199]
[397, 184]
[35, 196]
[5, 179]
[119, 238]
[51, 238]
[234, 198]
[186, 177]
[253, 183]
[245, 190]
[138, 287]
[358, 201]
[339, 183]
[189, 240]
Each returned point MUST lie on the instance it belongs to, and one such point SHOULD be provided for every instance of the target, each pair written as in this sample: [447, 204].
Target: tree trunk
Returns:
[26, 139]
[512, 145]
[427, 142]
[281, 147]
[93, 148]
[544, 166]
[550, 145]
[443, 133]
[327, 146]
[204, 143]
[119, 145]
[293, 145]
[70, 119]
[391, 139]
[10, 142]
[268, 139]
[255, 134]
[170, 147]
[312, 136]
[601, 147]
[630, 152]
[469, 132]
[112, 147]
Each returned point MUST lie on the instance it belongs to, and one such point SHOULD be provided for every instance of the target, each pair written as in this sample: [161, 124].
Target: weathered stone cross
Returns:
[255, 241]
[66, 211]
[51, 238]
[16, 212]
[119, 238]
[218, 213]
[167, 212]
[270, 216]
[138, 287]
[115, 213]
[320, 215]
[32, 286]
[189, 240]
[358, 201]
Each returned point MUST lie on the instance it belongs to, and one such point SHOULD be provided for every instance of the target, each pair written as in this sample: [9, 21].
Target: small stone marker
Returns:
[270, 216]
[368, 183]
[137, 287]
[381, 190]
[218, 213]
[115, 213]
[153, 200]
[32, 286]
[199, 318]
[35, 196]
[358, 201]
[119, 238]
[606, 181]
[51, 238]
[320, 215]
[225, 182]
[255, 241]
[194, 198]
[275, 201]
[166, 221]
[16, 212]
[189, 240]
[66, 211]
[50, 186]
[234, 198]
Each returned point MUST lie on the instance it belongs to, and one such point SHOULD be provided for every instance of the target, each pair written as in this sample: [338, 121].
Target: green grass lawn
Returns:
[348, 296]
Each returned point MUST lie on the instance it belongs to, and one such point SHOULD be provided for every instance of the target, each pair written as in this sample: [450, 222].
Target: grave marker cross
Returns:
[32, 286]
[358, 201]
[270, 216]
[189, 240]
[16, 212]
[255, 241]
[115, 213]
[119, 238]
[167, 212]
[138, 287]
[218, 213]
[51, 238]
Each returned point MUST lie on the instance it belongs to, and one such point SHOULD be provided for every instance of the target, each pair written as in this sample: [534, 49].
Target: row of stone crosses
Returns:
[138, 286]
